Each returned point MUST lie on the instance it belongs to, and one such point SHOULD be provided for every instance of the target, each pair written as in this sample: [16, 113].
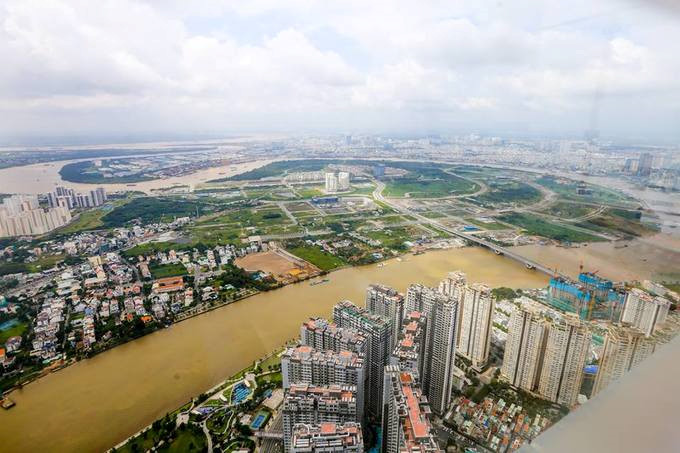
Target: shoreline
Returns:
[72, 361]
[212, 389]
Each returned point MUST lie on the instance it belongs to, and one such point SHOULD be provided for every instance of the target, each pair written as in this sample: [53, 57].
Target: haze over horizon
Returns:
[132, 68]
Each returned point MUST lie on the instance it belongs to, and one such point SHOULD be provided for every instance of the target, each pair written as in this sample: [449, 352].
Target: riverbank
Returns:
[105, 399]
[62, 364]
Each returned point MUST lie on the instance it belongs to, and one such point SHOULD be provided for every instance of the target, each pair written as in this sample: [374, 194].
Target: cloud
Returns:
[143, 66]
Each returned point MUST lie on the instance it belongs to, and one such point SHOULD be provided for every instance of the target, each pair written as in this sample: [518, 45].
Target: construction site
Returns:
[284, 267]
[591, 297]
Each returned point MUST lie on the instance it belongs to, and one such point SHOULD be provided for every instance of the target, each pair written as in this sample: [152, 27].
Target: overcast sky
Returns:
[123, 67]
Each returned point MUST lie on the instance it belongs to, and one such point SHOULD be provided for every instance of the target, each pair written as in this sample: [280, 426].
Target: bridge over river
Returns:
[497, 249]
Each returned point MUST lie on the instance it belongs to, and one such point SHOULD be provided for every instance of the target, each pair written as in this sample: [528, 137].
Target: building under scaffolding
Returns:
[592, 297]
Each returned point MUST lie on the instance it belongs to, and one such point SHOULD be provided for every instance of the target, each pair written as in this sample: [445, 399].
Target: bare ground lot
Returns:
[283, 267]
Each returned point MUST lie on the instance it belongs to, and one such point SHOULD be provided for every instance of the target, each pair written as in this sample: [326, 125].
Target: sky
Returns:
[129, 68]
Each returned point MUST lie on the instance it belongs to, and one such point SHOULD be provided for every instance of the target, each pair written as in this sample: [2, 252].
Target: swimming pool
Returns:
[239, 393]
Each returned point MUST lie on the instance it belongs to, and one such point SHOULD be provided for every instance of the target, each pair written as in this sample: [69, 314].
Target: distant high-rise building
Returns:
[327, 438]
[644, 311]
[566, 353]
[63, 196]
[331, 182]
[101, 195]
[316, 405]
[624, 348]
[475, 325]
[441, 312]
[377, 331]
[387, 302]
[524, 347]
[406, 415]
[21, 215]
[343, 181]
[321, 334]
[379, 171]
[645, 164]
[409, 353]
[306, 365]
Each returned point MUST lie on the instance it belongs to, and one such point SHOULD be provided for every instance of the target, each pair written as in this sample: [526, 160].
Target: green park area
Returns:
[86, 221]
[160, 209]
[276, 169]
[167, 270]
[509, 192]
[320, 258]
[433, 184]
[569, 210]
[12, 328]
[41, 264]
[535, 225]
[155, 247]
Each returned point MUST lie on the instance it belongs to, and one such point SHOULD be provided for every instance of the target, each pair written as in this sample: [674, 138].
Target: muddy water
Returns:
[43, 178]
[96, 403]
[655, 257]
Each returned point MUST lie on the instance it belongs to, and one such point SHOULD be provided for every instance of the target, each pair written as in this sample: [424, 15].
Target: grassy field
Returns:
[673, 287]
[15, 331]
[535, 225]
[509, 192]
[249, 217]
[567, 189]
[167, 270]
[231, 226]
[434, 214]
[610, 222]
[278, 169]
[165, 209]
[185, 441]
[416, 187]
[309, 192]
[321, 259]
[44, 262]
[566, 210]
[154, 247]
[12, 268]
[393, 238]
[87, 220]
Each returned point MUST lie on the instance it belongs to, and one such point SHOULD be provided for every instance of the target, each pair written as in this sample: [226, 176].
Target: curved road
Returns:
[377, 195]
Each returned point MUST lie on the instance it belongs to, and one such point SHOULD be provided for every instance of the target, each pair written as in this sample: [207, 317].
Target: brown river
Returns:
[96, 403]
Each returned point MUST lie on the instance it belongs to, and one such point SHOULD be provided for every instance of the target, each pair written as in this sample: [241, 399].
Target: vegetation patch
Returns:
[626, 225]
[432, 183]
[87, 172]
[14, 330]
[486, 225]
[598, 194]
[535, 225]
[567, 210]
[509, 192]
[157, 209]
[320, 258]
[167, 270]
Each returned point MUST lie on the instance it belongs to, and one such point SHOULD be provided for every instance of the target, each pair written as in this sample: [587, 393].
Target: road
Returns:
[530, 264]
[208, 437]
